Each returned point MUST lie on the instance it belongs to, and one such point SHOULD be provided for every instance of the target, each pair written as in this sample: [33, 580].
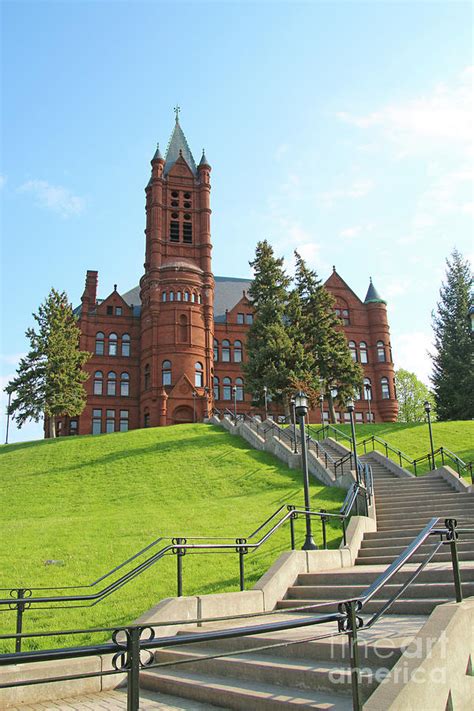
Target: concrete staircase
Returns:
[316, 674]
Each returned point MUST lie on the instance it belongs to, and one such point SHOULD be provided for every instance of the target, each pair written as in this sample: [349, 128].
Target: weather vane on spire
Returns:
[177, 110]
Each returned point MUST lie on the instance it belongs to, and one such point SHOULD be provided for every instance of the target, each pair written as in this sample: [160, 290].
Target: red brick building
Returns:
[171, 349]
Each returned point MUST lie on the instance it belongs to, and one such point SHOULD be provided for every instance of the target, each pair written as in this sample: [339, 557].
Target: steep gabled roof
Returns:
[178, 146]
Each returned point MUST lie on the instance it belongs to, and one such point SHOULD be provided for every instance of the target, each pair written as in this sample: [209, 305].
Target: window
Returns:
[237, 351]
[113, 344]
[99, 343]
[186, 295]
[73, 426]
[385, 389]
[225, 351]
[199, 298]
[111, 383]
[216, 350]
[98, 382]
[174, 231]
[171, 295]
[146, 377]
[353, 350]
[227, 394]
[240, 318]
[187, 232]
[363, 352]
[166, 372]
[193, 297]
[163, 295]
[178, 296]
[125, 385]
[96, 421]
[367, 389]
[118, 310]
[146, 419]
[198, 375]
[125, 345]
[239, 389]
[215, 384]
[249, 319]
[345, 317]
[359, 417]
[347, 417]
[123, 425]
[380, 352]
[110, 310]
[110, 421]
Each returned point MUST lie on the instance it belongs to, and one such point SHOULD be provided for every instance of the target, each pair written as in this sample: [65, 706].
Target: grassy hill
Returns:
[73, 508]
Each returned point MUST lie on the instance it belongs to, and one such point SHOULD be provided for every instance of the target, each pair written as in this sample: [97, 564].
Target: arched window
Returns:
[146, 419]
[166, 372]
[225, 351]
[216, 349]
[199, 298]
[363, 352]
[98, 382]
[111, 383]
[183, 328]
[113, 344]
[367, 389]
[227, 389]
[163, 295]
[193, 297]
[178, 296]
[380, 352]
[385, 389]
[239, 389]
[345, 317]
[99, 343]
[237, 351]
[186, 295]
[125, 384]
[353, 350]
[215, 383]
[146, 377]
[125, 345]
[171, 295]
[198, 375]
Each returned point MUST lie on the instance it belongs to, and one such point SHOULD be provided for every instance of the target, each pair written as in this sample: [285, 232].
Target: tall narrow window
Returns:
[171, 295]
[187, 232]
[110, 421]
[227, 389]
[199, 298]
[240, 318]
[125, 385]
[216, 350]
[225, 351]
[363, 352]
[198, 375]
[345, 317]
[111, 383]
[99, 343]
[73, 427]
[239, 389]
[125, 345]
[146, 377]
[385, 389]
[183, 328]
[113, 344]
[166, 372]
[123, 421]
[98, 382]
[380, 352]
[186, 295]
[146, 419]
[215, 383]
[353, 350]
[193, 297]
[96, 421]
[237, 351]
[163, 295]
[178, 296]
[249, 319]
[367, 389]
[174, 231]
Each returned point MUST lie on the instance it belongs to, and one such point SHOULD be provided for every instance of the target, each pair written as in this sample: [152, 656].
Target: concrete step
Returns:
[416, 590]
[268, 669]
[394, 549]
[402, 606]
[411, 499]
[420, 523]
[383, 541]
[391, 522]
[439, 557]
[426, 505]
[245, 696]
[354, 576]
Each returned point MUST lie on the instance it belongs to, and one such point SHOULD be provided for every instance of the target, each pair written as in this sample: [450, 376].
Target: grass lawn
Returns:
[87, 503]
[414, 440]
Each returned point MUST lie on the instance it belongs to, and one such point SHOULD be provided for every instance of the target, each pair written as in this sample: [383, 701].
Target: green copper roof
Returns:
[177, 146]
[373, 296]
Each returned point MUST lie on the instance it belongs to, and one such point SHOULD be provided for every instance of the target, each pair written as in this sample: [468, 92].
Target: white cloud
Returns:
[410, 351]
[281, 151]
[54, 197]
[358, 189]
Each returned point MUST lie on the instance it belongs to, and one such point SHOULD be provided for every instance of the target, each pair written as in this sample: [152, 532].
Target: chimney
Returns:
[89, 297]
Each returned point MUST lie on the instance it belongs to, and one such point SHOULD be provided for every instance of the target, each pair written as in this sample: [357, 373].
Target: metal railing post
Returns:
[452, 537]
[241, 550]
[350, 624]
[133, 655]
[292, 528]
[179, 564]
[323, 524]
[20, 608]
[344, 531]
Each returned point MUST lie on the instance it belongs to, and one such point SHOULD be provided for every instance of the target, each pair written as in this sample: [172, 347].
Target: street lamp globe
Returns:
[427, 407]
[301, 404]
[350, 404]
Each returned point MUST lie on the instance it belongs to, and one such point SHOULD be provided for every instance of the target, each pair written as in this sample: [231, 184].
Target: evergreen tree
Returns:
[270, 351]
[452, 378]
[328, 361]
[412, 395]
[50, 378]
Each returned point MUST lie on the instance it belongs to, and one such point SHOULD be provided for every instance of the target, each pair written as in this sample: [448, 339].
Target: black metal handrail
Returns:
[128, 642]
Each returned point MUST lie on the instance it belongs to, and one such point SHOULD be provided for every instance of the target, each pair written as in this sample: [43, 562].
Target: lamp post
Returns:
[265, 396]
[321, 407]
[8, 417]
[368, 397]
[234, 395]
[301, 409]
[293, 409]
[194, 405]
[428, 415]
[350, 410]
[471, 316]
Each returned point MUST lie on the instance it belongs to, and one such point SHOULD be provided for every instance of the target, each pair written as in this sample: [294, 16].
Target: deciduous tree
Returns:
[412, 395]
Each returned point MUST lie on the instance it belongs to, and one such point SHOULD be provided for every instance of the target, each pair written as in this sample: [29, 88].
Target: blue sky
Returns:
[342, 129]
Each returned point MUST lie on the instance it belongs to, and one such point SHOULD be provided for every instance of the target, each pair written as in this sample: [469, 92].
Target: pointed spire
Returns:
[157, 155]
[204, 160]
[373, 296]
[178, 147]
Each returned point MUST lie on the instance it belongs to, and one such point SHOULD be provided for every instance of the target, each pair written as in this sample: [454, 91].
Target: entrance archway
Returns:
[182, 415]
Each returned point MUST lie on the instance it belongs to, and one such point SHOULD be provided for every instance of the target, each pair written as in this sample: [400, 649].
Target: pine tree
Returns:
[329, 365]
[452, 378]
[412, 395]
[269, 346]
[49, 380]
